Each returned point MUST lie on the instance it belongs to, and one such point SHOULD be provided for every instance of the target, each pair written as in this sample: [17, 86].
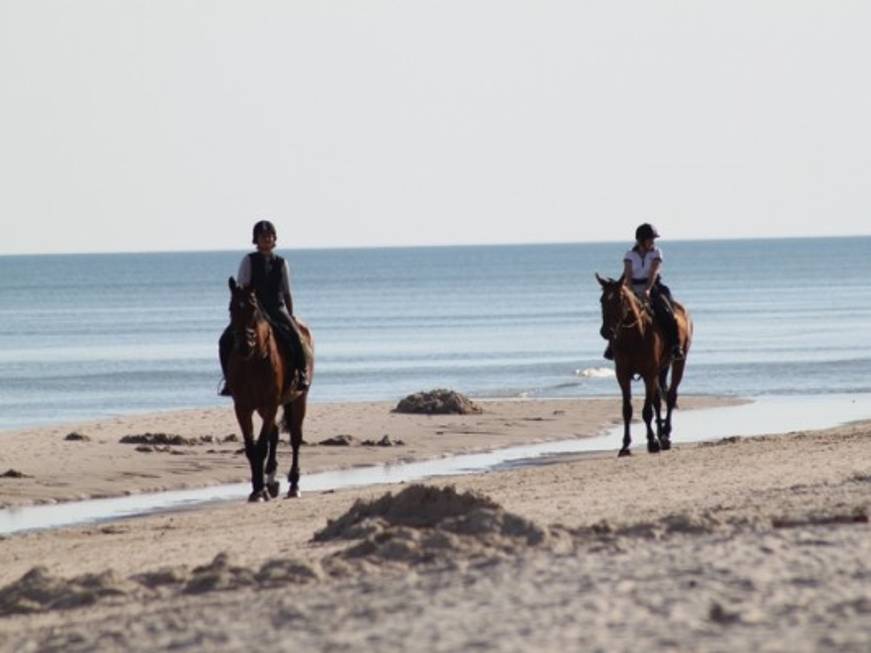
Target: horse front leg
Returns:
[294, 414]
[626, 388]
[272, 485]
[651, 396]
[246, 423]
[260, 450]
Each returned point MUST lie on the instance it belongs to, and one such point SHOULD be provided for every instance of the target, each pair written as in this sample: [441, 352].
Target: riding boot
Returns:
[609, 352]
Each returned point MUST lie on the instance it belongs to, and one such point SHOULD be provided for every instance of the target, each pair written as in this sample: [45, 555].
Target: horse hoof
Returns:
[258, 496]
[653, 446]
[665, 444]
[624, 452]
[273, 488]
[294, 493]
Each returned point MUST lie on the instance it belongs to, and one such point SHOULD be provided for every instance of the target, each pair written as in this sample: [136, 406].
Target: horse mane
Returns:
[639, 316]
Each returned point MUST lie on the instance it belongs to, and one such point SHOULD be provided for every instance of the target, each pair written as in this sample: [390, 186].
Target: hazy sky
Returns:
[173, 125]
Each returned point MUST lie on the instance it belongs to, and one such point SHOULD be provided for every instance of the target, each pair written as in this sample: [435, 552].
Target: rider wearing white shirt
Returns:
[641, 272]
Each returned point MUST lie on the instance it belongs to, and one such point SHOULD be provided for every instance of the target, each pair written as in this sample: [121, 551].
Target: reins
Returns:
[638, 321]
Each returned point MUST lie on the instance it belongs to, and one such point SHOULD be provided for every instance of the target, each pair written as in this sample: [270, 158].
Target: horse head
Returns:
[618, 302]
[244, 314]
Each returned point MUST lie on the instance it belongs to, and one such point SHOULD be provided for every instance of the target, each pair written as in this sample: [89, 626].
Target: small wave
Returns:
[595, 373]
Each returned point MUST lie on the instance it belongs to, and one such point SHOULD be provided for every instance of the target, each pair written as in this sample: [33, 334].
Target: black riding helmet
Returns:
[263, 227]
[646, 231]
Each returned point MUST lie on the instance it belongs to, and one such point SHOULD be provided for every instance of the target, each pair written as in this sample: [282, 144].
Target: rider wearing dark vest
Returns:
[641, 266]
[267, 274]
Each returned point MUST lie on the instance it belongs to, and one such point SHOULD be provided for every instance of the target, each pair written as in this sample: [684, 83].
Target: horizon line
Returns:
[428, 246]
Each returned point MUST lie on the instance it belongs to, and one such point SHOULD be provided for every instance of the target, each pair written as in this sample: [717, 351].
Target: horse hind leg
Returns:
[294, 414]
[663, 429]
[626, 389]
[677, 370]
[647, 414]
[273, 486]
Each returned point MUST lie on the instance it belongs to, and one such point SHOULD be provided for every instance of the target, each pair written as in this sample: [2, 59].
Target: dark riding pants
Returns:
[663, 311]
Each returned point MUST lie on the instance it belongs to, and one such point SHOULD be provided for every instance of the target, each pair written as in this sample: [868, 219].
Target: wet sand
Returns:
[56, 469]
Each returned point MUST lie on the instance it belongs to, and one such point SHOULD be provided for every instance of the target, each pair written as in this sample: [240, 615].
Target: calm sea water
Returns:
[87, 336]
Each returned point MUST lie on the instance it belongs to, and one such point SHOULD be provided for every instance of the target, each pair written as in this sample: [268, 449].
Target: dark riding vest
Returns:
[267, 278]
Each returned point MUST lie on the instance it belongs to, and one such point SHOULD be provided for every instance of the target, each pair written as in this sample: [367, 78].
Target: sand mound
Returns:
[424, 523]
[38, 591]
[220, 575]
[75, 436]
[668, 525]
[438, 402]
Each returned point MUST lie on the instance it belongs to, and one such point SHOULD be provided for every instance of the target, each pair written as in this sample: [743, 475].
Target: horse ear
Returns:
[232, 283]
[602, 282]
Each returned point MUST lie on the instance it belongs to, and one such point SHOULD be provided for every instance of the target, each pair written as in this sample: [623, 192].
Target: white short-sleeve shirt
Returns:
[642, 264]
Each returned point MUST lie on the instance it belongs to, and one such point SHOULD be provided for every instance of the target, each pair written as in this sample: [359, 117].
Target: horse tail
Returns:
[308, 345]
[684, 325]
[287, 417]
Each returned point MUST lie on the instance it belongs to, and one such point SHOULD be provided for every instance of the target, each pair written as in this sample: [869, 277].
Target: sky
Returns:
[173, 125]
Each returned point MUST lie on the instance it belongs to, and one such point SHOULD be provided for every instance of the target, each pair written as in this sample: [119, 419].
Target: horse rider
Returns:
[268, 275]
[641, 272]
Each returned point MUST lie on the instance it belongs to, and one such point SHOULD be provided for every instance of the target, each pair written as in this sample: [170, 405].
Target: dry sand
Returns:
[755, 544]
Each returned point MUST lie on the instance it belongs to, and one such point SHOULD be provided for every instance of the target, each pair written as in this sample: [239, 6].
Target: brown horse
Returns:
[256, 377]
[640, 348]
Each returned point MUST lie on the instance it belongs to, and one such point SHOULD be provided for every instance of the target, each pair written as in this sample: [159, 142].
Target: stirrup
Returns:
[224, 390]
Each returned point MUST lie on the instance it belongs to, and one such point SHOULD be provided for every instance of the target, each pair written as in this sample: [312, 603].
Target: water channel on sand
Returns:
[764, 415]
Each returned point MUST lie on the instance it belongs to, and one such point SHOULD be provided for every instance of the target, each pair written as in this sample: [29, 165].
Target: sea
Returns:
[96, 335]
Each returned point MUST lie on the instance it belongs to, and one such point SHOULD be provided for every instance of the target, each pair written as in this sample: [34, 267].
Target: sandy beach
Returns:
[742, 544]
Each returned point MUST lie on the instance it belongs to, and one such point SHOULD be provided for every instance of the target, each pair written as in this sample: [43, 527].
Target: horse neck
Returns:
[263, 337]
[640, 319]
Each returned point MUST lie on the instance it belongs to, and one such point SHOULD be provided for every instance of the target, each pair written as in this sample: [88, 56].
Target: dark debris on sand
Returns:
[14, 473]
[438, 402]
[383, 442]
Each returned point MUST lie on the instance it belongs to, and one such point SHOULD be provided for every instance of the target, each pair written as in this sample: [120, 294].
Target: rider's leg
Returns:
[296, 354]
[225, 345]
[664, 313]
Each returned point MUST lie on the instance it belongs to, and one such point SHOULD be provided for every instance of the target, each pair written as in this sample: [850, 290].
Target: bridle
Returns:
[626, 312]
[248, 334]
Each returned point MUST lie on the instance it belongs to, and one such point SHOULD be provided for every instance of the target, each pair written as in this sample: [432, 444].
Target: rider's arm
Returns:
[285, 290]
[627, 273]
[243, 277]
[654, 275]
